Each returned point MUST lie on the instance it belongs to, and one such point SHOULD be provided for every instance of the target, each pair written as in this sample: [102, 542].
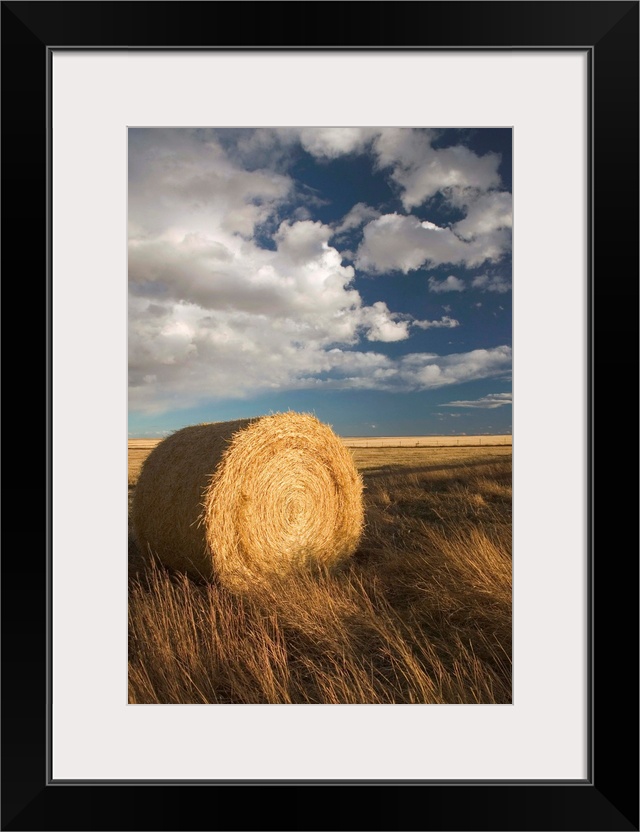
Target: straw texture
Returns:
[249, 499]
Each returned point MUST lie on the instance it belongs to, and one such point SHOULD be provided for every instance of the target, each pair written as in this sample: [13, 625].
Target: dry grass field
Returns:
[425, 441]
[421, 613]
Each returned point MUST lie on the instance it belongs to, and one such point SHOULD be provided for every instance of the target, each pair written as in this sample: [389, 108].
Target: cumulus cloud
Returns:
[434, 371]
[422, 171]
[491, 283]
[331, 142]
[234, 321]
[415, 371]
[212, 312]
[487, 213]
[357, 216]
[382, 325]
[491, 401]
[187, 176]
[395, 242]
[466, 180]
[196, 354]
[419, 170]
[445, 321]
[449, 284]
[228, 298]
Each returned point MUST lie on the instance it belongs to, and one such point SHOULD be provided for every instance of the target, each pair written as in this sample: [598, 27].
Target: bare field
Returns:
[420, 614]
[139, 449]
[400, 460]
[424, 441]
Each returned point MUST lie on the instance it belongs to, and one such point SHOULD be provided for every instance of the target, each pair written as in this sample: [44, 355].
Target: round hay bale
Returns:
[247, 499]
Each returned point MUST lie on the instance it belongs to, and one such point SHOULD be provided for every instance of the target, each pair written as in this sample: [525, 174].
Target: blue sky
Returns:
[361, 274]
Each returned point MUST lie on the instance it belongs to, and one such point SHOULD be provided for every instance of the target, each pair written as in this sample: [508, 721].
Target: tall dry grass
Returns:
[421, 613]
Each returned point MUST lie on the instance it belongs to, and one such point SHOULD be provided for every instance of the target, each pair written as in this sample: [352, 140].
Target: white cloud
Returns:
[445, 322]
[395, 242]
[331, 142]
[357, 216]
[491, 283]
[467, 180]
[418, 169]
[244, 319]
[422, 170]
[416, 371]
[195, 354]
[434, 371]
[449, 284]
[186, 175]
[382, 325]
[491, 401]
[213, 312]
[487, 213]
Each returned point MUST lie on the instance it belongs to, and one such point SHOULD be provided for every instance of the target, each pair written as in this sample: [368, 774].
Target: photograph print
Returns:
[320, 415]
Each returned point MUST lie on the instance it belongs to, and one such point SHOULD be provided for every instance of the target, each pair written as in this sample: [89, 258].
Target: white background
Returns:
[96, 734]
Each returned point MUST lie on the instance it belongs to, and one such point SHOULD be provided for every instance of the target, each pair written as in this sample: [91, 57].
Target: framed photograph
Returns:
[88, 90]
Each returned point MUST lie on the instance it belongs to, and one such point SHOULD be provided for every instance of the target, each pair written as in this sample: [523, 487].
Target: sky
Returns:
[359, 274]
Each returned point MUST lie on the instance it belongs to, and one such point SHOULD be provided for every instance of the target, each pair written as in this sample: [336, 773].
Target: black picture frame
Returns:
[608, 798]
